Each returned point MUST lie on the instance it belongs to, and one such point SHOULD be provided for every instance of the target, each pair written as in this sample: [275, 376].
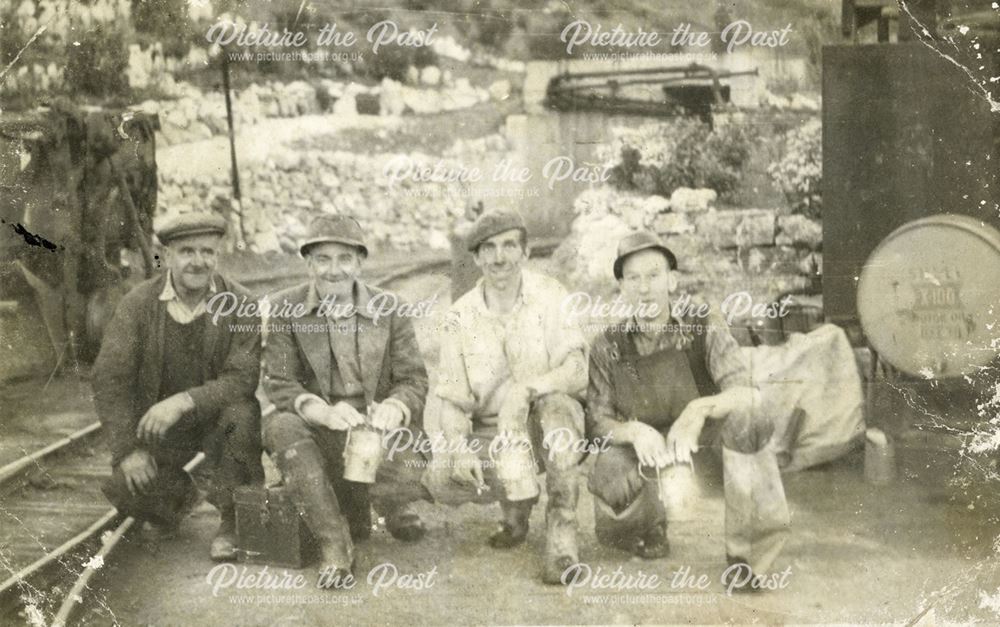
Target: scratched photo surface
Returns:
[499, 312]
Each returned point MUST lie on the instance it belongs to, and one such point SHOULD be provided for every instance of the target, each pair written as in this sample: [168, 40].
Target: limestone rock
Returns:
[738, 228]
[430, 75]
[691, 200]
[672, 224]
[798, 230]
[500, 90]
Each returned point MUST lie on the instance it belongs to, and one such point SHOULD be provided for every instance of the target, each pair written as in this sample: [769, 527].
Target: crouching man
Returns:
[659, 386]
[511, 363]
[172, 379]
[338, 367]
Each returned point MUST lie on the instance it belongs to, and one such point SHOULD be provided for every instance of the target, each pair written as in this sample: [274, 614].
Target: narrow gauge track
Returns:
[54, 515]
[52, 509]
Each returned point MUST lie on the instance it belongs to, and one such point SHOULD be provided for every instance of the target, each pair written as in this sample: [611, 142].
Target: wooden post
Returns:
[232, 141]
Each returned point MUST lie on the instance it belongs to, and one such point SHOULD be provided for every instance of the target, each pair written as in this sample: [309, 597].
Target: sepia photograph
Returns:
[498, 312]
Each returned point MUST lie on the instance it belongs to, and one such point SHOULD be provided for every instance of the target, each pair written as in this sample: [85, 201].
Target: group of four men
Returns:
[174, 377]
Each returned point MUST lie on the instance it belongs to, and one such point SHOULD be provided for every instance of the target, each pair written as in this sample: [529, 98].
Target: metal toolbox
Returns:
[269, 529]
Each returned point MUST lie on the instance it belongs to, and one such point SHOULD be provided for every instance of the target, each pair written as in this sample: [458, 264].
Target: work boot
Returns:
[337, 578]
[653, 544]
[561, 550]
[514, 526]
[354, 502]
[392, 498]
[302, 468]
[739, 576]
[223, 548]
[155, 532]
[404, 524]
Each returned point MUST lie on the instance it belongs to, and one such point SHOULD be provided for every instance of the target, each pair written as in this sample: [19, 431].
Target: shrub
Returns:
[486, 23]
[393, 62]
[98, 65]
[799, 173]
[685, 152]
[165, 21]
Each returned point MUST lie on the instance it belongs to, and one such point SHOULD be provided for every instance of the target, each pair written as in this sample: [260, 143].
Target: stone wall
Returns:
[282, 194]
[764, 252]
[191, 115]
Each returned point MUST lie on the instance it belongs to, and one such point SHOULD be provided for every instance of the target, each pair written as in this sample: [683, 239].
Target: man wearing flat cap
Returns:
[338, 367]
[511, 363]
[171, 379]
[663, 383]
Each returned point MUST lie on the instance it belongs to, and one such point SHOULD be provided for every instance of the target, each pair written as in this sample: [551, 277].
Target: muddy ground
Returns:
[856, 554]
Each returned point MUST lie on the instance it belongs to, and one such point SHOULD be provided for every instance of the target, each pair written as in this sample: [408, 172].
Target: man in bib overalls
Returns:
[661, 385]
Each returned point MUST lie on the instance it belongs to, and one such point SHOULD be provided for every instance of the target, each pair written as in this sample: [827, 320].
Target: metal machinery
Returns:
[911, 230]
[686, 90]
[77, 195]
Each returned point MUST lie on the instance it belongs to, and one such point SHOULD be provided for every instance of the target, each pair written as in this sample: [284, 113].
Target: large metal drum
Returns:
[929, 297]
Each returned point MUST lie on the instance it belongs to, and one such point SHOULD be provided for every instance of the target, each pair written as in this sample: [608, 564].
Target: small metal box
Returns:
[269, 529]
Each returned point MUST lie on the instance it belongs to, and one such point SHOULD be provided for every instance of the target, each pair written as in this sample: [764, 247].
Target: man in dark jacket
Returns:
[348, 360]
[173, 378]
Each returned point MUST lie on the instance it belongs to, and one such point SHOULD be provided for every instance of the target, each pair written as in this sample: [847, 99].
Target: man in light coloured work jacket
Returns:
[511, 362]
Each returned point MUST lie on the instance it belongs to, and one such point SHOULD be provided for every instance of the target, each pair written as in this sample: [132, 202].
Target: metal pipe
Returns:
[16, 467]
[75, 595]
[96, 562]
[642, 81]
[58, 552]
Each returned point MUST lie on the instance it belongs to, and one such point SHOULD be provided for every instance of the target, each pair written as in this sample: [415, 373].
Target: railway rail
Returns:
[56, 522]
[52, 511]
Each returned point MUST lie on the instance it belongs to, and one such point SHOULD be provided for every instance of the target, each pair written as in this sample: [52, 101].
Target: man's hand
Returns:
[341, 417]
[513, 414]
[160, 417]
[139, 469]
[682, 439]
[466, 468]
[387, 416]
[649, 445]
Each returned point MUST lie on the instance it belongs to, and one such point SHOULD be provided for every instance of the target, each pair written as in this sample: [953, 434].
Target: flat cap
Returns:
[493, 223]
[335, 229]
[641, 240]
[188, 224]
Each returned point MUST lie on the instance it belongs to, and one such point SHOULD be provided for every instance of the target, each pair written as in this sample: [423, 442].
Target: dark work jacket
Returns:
[128, 372]
[655, 388]
[299, 358]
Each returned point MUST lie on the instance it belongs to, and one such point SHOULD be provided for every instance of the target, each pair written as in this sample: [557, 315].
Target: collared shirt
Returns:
[342, 319]
[724, 359]
[483, 353]
[177, 308]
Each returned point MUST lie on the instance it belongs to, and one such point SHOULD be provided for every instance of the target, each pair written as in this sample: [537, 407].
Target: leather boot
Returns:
[404, 524]
[356, 506]
[302, 467]
[392, 498]
[514, 526]
[561, 550]
[223, 547]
